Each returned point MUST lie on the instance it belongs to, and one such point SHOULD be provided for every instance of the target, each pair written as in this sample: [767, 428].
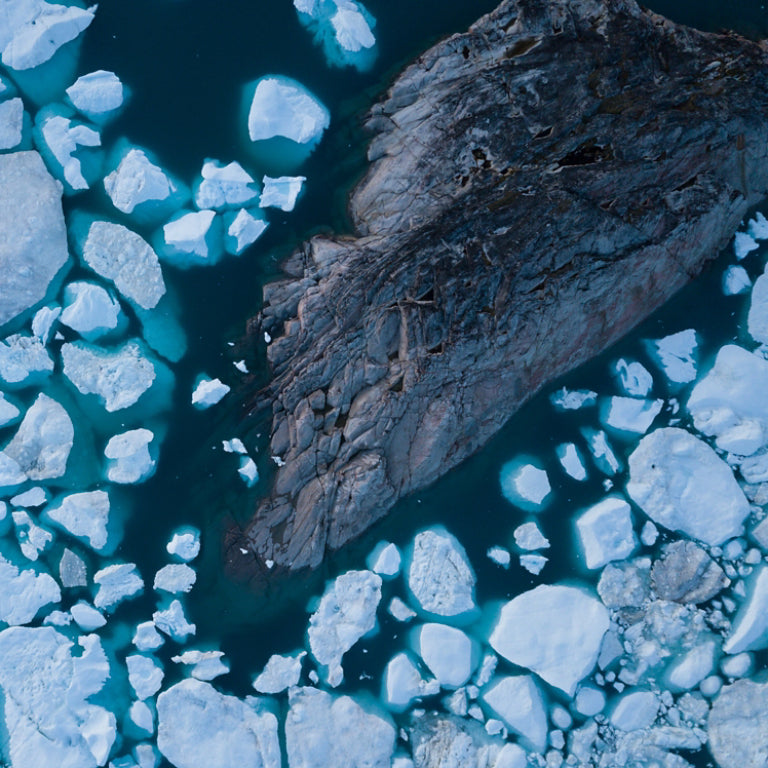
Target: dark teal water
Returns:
[186, 62]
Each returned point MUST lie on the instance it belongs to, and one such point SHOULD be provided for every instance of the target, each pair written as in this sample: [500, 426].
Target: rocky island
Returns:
[537, 186]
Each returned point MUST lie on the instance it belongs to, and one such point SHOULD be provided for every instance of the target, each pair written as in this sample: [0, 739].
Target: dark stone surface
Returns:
[537, 187]
[687, 574]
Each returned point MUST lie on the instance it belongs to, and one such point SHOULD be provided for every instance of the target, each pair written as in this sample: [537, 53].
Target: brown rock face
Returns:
[537, 187]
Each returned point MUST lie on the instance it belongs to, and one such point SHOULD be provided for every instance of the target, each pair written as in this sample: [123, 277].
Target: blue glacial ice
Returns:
[97, 95]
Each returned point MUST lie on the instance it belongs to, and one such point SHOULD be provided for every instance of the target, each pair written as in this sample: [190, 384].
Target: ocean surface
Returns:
[186, 63]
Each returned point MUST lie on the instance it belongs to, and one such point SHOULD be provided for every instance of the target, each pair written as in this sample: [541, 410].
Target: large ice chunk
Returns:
[175, 577]
[283, 107]
[281, 192]
[279, 673]
[728, 403]
[116, 583]
[403, 683]
[33, 239]
[97, 94]
[11, 123]
[145, 675]
[198, 726]
[48, 718]
[517, 700]
[676, 355]
[553, 630]
[42, 443]
[208, 392]
[750, 626]
[605, 532]
[192, 239]
[682, 484]
[120, 255]
[32, 31]
[89, 309]
[24, 593]
[319, 728]
[440, 577]
[61, 140]
[23, 360]
[449, 653]
[228, 186]
[525, 484]
[346, 612]
[172, 621]
[84, 515]
[241, 230]
[117, 376]
[128, 457]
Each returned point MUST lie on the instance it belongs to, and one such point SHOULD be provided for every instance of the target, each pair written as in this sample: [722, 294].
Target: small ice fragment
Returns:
[97, 93]
[192, 238]
[399, 610]
[23, 359]
[533, 563]
[528, 536]
[517, 700]
[500, 556]
[235, 445]
[267, 338]
[525, 485]
[11, 123]
[736, 281]
[281, 192]
[89, 309]
[572, 400]
[604, 457]
[72, 571]
[33, 538]
[634, 378]
[84, 516]
[206, 665]
[605, 532]
[208, 392]
[278, 461]
[649, 533]
[449, 653]
[174, 578]
[241, 366]
[242, 229]
[572, 462]
[589, 701]
[758, 227]
[173, 622]
[248, 471]
[185, 544]
[279, 673]
[743, 243]
[284, 107]
[137, 180]
[34, 497]
[145, 675]
[384, 559]
[87, 617]
[43, 321]
[635, 711]
[224, 186]
[63, 138]
[146, 637]
[676, 355]
[403, 683]
[630, 414]
[116, 583]
[142, 719]
[128, 457]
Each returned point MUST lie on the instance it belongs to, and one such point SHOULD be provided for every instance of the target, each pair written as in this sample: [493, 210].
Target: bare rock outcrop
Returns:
[537, 186]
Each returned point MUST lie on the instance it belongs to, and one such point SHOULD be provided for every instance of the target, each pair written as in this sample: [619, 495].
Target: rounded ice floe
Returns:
[87, 617]
[336, 732]
[34, 497]
[689, 669]
[283, 107]
[32, 32]
[97, 94]
[184, 544]
[738, 737]
[399, 610]
[197, 725]
[629, 414]
[128, 457]
[384, 560]
[439, 575]
[141, 720]
[525, 484]
[605, 532]
[279, 673]
[635, 710]
[116, 583]
[33, 249]
[735, 281]
[346, 612]
[118, 376]
[206, 665]
[221, 187]
[146, 637]
[84, 516]
[570, 459]
[727, 403]
[589, 700]
[517, 700]
[682, 484]
[192, 239]
[242, 229]
[403, 682]
[24, 360]
[137, 184]
[89, 309]
[145, 675]
[11, 123]
[528, 536]
[743, 243]
[42, 444]
[281, 192]
[52, 722]
[676, 355]
[750, 625]
[120, 255]
[172, 621]
[553, 630]
[23, 593]
[499, 555]
[208, 392]
[174, 578]
[449, 653]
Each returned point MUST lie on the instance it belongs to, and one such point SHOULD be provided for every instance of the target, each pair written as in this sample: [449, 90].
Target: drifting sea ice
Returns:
[602, 453]
[206, 665]
[528, 536]
[750, 626]
[145, 674]
[87, 617]
[184, 544]
[676, 355]
[172, 621]
[33, 538]
[23, 593]
[682, 484]
[72, 570]
[517, 700]
[634, 378]
[248, 471]
[208, 392]
[629, 414]
[572, 400]
[9, 413]
[743, 243]
[11, 123]
[224, 186]
[242, 229]
[23, 360]
[83, 515]
[281, 192]
[280, 673]
[402, 683]
[735, 281]
[89, 309]
[192, 239]
[97, 95]
[525, 485]
[174, 578]
[450, 654]
[384, 560]
[757, 319]
[571, 461]
[128, 457]
[116, 583]
[197, 726]
[346, 612]
[605, 532]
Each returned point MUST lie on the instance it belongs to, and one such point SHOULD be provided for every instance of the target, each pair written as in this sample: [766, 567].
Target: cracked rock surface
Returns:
[537, 186]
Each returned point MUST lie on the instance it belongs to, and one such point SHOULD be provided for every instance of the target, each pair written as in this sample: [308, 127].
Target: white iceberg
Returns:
[145, 675]
[23, 360]
[605, 532]
[528, 536]
[449, 653]
[172, 621]
[241, 230]
[602, 453]
[676, 355]
[208, 392]
[283, 107]
[44, 320]
[24, 593]
[89, 309]
[33, 538]
[184, 544]
[62, 138]
[735, 281]
[120, 255]
[517, 700]
[128, 457]
[221, 187]
[97, 94]
[192, 239]
[346, 612]
[174, 578]
[525, 485]
[84, 516]
[533, 563]
[11, 123]
[206, 665]
[403, 682]
[116, 583]
[750, 626]
[553, 630]
[281, 192]
[146, 637]
[72, 570]
[572, 399]
[682, 484]
[743, 243]
[34, 497]
[9, 413]
[757, 319]
[384, 560]
[571, 461]
[634, 378]
[630, 414]
[439, 575]
[87, 617]
[118, 376]
[635, 711]
[279, 673]
[248, 471]
[499, 555]
[198, 726]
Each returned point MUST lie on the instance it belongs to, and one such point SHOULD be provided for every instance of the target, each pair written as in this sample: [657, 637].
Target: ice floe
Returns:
[83, 515]
[206, 665]
[184, 544]
[172, 621]
[281, 192]
[174, 578]
[525, 484]
[676, 355]
[528, 536]
[145, 675]
[128, 456]
[97, 95]
[517, 700]
[24, 360]
[242, 229]
[403, 682]
[750, 625]
[630, 414]
[634, 378]
[735, 281]
[24, 593]
[89, 309]
[605, 532]
[571, 460]
[280, 673]
[116, 583]
[192, 239]
[743, 243]
[208, 392]
[224, 186]
[449, 653]
[11, 123]
[384, 560]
